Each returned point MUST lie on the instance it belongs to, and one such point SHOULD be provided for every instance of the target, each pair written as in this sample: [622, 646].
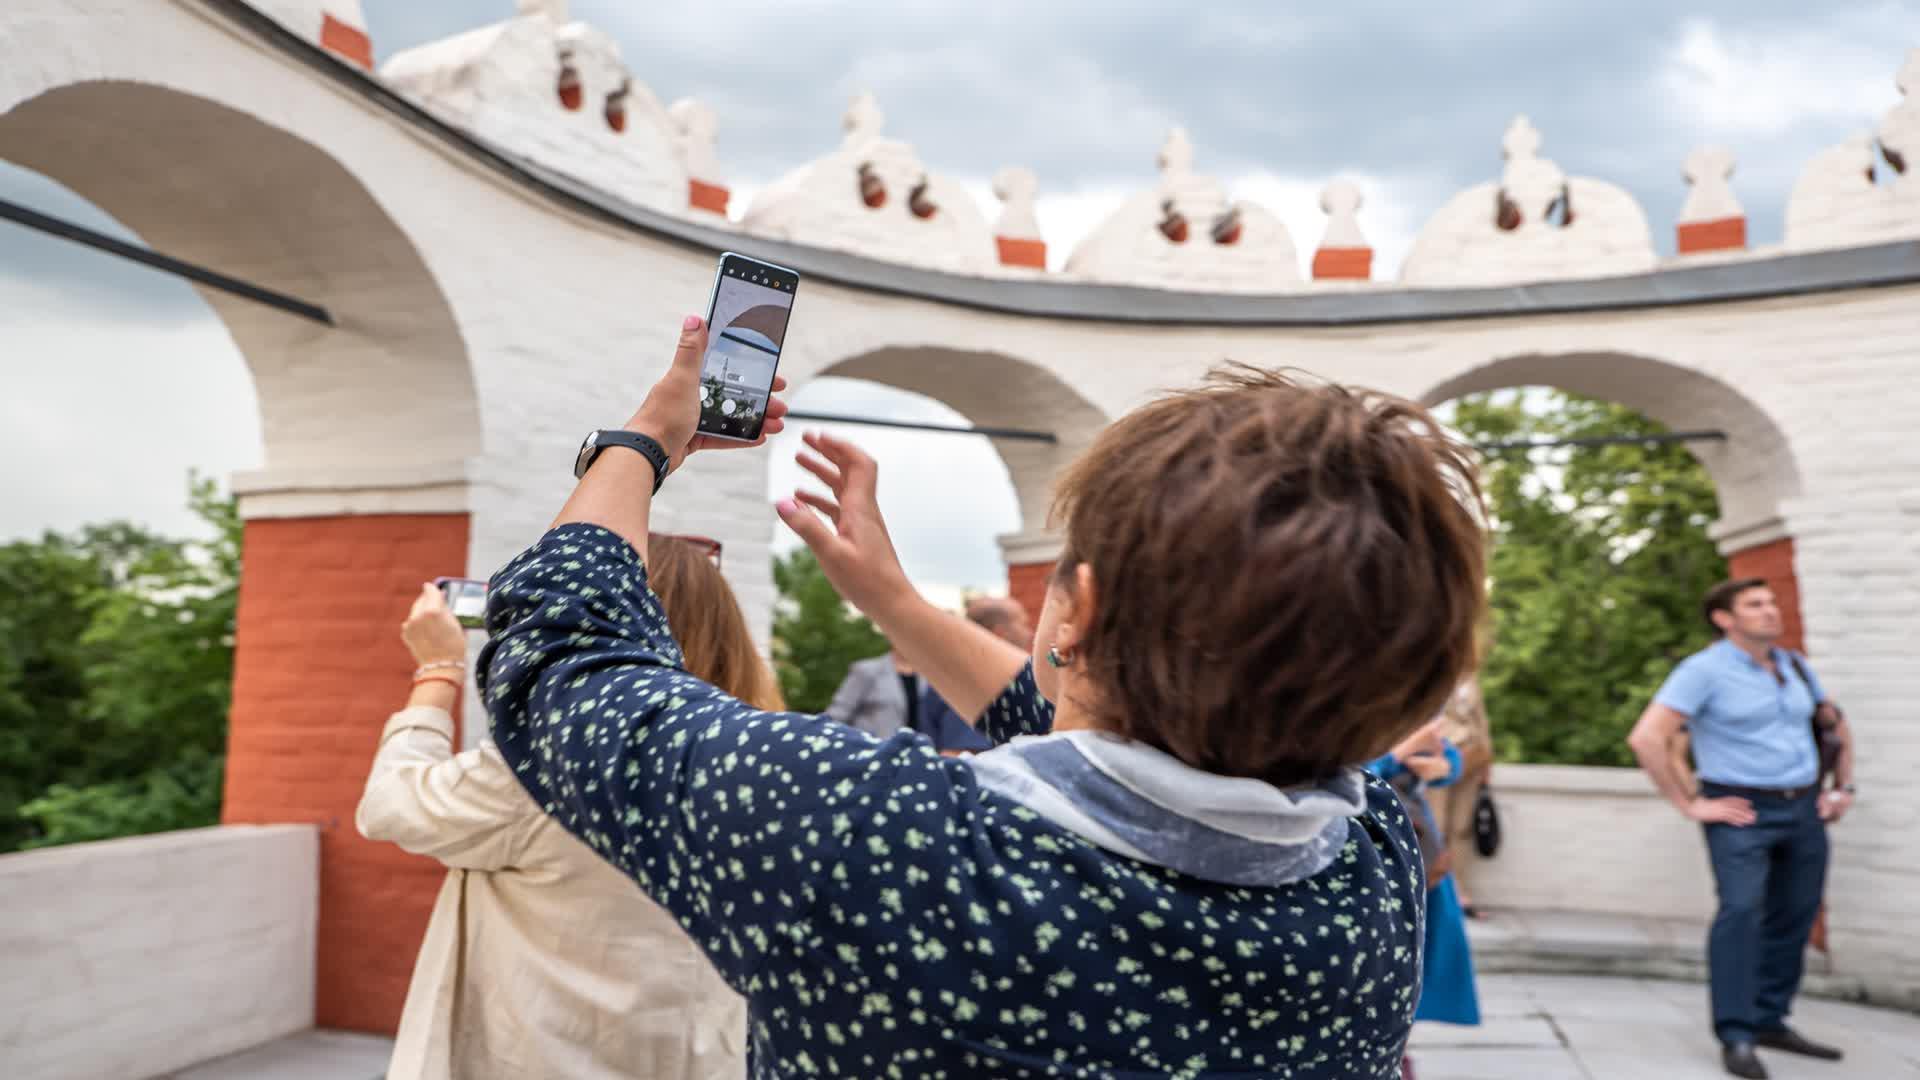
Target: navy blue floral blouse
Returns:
[885, 915]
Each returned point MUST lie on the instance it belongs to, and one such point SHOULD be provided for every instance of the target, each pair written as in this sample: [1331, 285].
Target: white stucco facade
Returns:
[484, 322]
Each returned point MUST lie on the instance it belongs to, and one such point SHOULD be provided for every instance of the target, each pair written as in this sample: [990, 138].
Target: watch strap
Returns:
[647, 446]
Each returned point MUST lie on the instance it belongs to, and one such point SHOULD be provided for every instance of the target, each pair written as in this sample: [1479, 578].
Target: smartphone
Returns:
[467, 599]
[746, 327]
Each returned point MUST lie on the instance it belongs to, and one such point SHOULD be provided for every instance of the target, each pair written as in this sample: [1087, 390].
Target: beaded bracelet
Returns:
[452, 665]
[448, 679]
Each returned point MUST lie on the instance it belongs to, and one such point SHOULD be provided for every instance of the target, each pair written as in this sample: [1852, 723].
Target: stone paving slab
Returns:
[1537, 1027]
[1585, 943]
[1544, 1027]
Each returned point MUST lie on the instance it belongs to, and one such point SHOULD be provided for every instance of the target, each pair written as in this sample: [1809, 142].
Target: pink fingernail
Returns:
[691, 322]
[786, 506]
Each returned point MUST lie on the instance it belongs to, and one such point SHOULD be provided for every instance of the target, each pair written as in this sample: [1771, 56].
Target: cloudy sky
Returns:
[1410, 100]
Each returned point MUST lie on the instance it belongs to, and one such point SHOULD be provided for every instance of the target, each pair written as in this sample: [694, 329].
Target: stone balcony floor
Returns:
[1589, 1027]
[1537, 1027]
[1625, 1003]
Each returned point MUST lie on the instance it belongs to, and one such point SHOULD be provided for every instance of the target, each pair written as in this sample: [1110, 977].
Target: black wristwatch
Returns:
[648, 448]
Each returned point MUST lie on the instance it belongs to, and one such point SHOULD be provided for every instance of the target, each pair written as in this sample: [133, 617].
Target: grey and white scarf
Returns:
[1148, 805]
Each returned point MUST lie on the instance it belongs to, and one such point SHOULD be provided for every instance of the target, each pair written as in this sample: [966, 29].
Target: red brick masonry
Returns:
[318, 668]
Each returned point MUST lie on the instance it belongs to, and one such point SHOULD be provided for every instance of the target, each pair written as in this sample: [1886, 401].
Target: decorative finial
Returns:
[696, 120]
[1709, 196]
[1016, 187]
[1176, 154]
[1341, 200]
[1521, 140]
[863, 119]
[554, 10]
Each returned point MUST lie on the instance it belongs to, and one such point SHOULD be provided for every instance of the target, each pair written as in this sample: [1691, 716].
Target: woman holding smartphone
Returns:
[540, 959]
[1176, 864]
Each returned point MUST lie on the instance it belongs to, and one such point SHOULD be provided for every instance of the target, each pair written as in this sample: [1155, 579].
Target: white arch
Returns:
[996, 389]
[389, 387]
[1753, 469]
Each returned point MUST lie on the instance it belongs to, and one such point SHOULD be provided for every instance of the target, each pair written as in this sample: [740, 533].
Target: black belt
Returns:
[1784, 794]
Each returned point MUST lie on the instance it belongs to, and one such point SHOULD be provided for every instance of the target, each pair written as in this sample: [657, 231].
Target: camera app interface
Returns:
[745, 332]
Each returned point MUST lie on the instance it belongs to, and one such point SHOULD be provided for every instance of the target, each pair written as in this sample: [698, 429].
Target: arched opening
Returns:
[1602, 554]
[947, 498]
[118, 582]
[388, 387]
[1752, 468]
[991, 389]
[365, 428]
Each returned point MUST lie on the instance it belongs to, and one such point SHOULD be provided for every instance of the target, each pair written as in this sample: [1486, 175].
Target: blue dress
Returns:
[1447, 993]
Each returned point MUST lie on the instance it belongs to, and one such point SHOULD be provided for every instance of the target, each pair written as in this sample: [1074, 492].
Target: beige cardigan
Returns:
[541, 960]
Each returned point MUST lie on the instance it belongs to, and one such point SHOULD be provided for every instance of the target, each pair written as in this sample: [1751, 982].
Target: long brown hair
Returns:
[706, 621]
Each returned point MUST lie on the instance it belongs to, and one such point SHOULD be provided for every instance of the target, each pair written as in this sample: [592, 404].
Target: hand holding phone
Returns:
[746, 329]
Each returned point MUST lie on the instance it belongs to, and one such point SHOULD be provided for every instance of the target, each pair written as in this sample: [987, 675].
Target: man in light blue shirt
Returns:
[1747, 704]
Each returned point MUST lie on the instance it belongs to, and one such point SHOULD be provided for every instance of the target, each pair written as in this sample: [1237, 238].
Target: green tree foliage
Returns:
[116, 664]
[815, 635]
[1600, 558]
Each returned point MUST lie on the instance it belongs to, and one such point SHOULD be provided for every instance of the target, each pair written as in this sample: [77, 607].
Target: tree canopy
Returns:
[1600, 557]
[116, 665]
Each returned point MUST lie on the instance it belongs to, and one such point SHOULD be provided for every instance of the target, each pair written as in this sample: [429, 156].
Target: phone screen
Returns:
[467, 600]
[746, 328]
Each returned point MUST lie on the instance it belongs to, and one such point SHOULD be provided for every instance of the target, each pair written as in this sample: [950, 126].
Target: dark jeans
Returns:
[1770, 876]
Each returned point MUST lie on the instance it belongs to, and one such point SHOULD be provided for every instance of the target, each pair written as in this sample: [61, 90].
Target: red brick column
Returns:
[1774, 563]
[1027, 583]
[318, 668]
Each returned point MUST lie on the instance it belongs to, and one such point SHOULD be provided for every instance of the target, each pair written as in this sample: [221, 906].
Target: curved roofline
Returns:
[1788, 275]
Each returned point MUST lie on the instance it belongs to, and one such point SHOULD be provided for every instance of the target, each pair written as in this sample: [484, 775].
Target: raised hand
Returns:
[431, 632]
[844, 528]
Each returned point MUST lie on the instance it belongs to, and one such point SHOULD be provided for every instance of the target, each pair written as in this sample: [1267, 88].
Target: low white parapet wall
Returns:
[136, 957]
[1577, 838]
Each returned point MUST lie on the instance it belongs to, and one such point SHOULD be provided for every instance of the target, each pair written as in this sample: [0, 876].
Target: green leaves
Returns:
[1600, 558]
[116, 663]
[815, 634]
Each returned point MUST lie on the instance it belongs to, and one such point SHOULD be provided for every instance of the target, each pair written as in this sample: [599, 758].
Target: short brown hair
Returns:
[706, 622]
[1289, 577]
[1723, 596]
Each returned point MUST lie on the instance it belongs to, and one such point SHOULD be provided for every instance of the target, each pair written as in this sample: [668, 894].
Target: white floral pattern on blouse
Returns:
[884, 915]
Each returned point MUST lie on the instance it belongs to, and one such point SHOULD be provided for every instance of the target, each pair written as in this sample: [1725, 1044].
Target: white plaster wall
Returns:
[136, 957]
[1589, 839]
[566, 321]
